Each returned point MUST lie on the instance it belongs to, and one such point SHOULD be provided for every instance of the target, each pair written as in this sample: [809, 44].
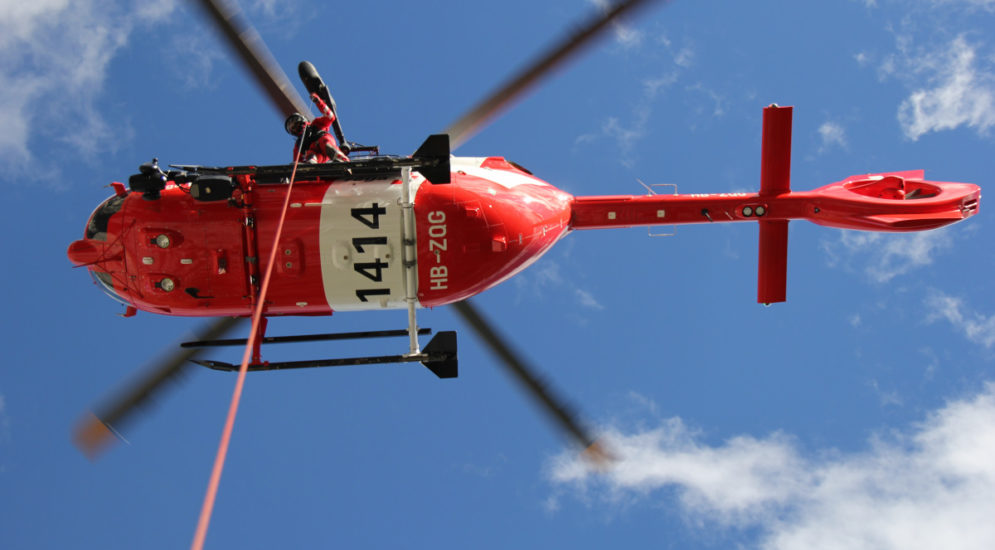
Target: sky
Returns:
[858, 414]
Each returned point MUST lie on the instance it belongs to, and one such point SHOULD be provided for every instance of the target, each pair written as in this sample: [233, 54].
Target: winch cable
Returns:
[257, 314]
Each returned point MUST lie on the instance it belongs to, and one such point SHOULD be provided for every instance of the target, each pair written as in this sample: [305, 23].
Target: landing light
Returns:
[167, 284]
[162, 241]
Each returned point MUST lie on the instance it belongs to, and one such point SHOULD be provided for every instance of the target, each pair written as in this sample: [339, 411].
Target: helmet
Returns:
[294, 124]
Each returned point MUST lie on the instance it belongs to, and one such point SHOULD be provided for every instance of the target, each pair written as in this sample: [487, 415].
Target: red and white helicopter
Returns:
[426, 230]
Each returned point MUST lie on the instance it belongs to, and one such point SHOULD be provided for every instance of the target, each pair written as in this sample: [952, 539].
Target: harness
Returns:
[310, 137]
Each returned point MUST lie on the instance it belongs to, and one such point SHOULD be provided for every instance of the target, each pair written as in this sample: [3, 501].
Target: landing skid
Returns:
[305, 338]
[439, 356]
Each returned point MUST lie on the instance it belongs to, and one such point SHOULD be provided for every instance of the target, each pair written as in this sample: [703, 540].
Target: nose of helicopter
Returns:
[93, 247]
[99, 251]
[83, 253]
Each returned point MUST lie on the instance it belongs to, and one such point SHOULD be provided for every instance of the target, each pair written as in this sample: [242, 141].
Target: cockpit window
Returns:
[96, 228]
[103, 280]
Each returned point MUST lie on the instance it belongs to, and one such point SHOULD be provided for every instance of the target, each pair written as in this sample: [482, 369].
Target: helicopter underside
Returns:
[341, 243]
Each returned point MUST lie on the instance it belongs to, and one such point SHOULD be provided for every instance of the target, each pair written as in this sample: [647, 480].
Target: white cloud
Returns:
[717, 101]
[653, 86]
[626, 136]
[625, 35]
[983, 4]
[546, 278]
[627, 131]
[887, 255]
[587, 300]
[976, 327]
[832, 135]
[928, 488]
[958, 91]
[684, 57]
[54, 57]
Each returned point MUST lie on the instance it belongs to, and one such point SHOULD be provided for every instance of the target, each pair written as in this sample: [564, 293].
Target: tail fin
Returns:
[775, 179]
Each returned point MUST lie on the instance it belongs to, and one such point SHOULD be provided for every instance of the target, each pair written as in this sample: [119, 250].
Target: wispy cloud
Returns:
[546, 276]
[930, 487]
[886, 256]
[959, 90]
[983, 4]
[51, 85]
[587, 300]
[832, 135]
[714, 100]
[625, 35]
[976, 327]
[628, 129]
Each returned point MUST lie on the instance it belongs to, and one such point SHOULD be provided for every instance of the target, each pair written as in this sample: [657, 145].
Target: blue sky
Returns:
[859, 414]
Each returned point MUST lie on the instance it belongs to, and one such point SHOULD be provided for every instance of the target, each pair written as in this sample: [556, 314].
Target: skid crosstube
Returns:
[440, 356]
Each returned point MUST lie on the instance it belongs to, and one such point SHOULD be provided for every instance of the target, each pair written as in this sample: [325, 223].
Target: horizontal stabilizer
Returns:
[775, 179]
[775, 151]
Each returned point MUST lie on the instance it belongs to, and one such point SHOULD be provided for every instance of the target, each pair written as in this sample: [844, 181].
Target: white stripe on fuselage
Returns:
[472, 167]
[360, 238]
[376, 273]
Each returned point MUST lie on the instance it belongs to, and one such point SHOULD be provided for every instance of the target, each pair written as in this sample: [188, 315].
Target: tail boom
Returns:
[834, 205]
[891, 202]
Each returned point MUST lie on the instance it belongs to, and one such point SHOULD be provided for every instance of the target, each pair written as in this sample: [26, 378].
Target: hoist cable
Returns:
[257, 314]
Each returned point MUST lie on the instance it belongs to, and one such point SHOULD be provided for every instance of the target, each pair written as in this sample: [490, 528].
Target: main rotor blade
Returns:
[97, 430]
[468, 125]
[525, 374]
[251, 49]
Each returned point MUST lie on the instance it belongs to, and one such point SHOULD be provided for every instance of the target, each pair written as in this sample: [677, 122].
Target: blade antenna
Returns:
[525, 374]
[466, 126]
[245, 40]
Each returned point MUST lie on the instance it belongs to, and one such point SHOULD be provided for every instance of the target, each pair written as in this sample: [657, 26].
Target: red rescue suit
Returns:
[319, 143]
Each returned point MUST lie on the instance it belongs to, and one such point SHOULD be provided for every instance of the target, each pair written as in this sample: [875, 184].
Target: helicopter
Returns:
[422, 230]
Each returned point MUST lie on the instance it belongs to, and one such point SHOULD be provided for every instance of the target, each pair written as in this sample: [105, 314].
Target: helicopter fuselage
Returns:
[197, 245]
[341, 247]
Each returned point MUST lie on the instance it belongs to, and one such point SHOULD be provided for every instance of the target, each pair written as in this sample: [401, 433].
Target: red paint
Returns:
[179, 256]
[491, 232]
[772, 261]
[775, 151]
